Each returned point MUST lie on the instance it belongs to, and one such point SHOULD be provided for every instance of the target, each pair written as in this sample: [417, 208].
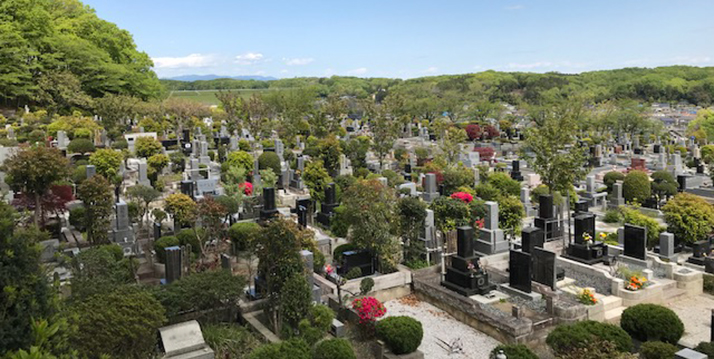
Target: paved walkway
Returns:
[440, 326]
[695, 313]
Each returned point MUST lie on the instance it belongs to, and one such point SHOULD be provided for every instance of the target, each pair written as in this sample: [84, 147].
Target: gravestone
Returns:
[207, 186]
[123, 232]
[143, 180]
[308, 263]
[666, 245]
[431, 191]
[491, 239]
[516, 171]
[362, 259]
[617, 199]
[700, 249]
[157, 230]
[187, 188]
[682, 182]
[546, 220]
[269, 209]
[532, 237]
[465, 274]
[544, 269]
[584, 223]
[526, 201]
[173, 263]
[635, 242]
[519, 268]
[302, 216]
[226, 262]
[328, 206]
[90, 170]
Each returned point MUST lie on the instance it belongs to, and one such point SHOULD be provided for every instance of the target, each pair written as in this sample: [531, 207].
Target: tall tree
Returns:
[97, 195]
[33, 170]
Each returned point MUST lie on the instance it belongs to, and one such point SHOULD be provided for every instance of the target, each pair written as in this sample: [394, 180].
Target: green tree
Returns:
[689, 217]
[97, 195]
[636, 187]
[157, 162]
[100, 269]
[279, 259]
[106, 161]
[510, 214]
[295, 300]
[208, 290]
[369, 210]
[80, 145]
[316, 179]
[181, 207]
[384, 133]
[412, 213]
[143, 195]
[663, 185]
[146, 147]
[32, 171]
[240, 159]
[26, 295]
[130, 316]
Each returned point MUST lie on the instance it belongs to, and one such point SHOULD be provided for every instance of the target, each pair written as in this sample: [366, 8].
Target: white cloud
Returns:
[298, 61]
[249, 58]
[514, 7]
[431, 70]
[358, 71]
[190, 61]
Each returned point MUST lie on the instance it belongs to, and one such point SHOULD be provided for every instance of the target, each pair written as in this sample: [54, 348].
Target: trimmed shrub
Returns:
[635, 217]
[241, 235]
[612, 177]
[80, 145]
[636, 187]
[657, 350]
[401, 334]
[76, 218]
[290, 349]
[334, 349]
[188, 236]
[650, 322]
[269, 160]
[514, 351]
[612, 216]
[161, 244]
[565, 338]
[354, 273]
[366, 285]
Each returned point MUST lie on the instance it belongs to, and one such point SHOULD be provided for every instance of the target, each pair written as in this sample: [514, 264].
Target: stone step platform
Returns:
[612, 316]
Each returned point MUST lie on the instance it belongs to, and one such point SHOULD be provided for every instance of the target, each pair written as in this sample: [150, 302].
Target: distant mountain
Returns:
[190, 78]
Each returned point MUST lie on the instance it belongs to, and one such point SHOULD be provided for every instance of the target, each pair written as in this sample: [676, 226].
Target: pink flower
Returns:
[463, 196]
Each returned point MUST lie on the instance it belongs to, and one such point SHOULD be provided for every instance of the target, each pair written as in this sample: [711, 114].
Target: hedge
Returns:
[651, 322]
[401, 334]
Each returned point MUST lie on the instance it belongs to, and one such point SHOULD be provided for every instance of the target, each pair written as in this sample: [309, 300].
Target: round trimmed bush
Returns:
[706, 348]
[565, 338]
[269, 160]
[354, 273]
[636, 186]
[366, 285]
[241, 234]
[612, 177]
[80, 145]
[514, 351]
[657, 350]
[651, 322]
[334, 349]
[401, 334]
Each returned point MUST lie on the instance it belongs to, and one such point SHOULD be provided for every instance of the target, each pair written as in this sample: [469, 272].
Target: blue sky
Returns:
[408, 39]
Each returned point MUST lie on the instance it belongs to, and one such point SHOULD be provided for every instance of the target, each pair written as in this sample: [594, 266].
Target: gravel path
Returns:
[695, 313]
[437, 325]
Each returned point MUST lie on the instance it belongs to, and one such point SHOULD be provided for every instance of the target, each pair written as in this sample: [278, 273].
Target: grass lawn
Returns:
[208, 97]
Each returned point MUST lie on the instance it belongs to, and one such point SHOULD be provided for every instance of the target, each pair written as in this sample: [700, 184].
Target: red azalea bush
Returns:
[485, 153]
[463, 197]
[368, 309]
[473, 131]
[479, 223]
[247, 188]
[491, 131]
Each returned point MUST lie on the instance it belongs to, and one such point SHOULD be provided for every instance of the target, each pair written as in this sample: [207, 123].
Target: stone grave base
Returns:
[519, 293]
[496, 296]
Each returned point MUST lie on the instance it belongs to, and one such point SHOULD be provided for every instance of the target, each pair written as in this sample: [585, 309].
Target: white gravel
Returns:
[437, 325]
[695, 313]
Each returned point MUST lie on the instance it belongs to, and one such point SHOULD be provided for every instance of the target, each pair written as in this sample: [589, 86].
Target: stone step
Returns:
[611, 302]
[669, 285]
[612, 316]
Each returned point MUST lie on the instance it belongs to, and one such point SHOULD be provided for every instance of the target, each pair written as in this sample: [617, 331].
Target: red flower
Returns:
[247, 188]
[368, 309]
[463, 196]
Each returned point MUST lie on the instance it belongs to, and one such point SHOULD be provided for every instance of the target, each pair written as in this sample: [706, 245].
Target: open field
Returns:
[208, 97]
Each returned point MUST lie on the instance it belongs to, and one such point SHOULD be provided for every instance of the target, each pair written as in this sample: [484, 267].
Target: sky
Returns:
[407, 39]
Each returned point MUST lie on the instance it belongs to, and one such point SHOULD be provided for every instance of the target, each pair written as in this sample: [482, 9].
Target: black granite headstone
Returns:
[544, 271]
[584, 223]
[269, 210]
[682, 181]
[187, 188]
[545, 206]
[302, 216]
[582, 206]
[519, 267]
[532, 237]
[635, 242]
[465, 241]
[157, 230]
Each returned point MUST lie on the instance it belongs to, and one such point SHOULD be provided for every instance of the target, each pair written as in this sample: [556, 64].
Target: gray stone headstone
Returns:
[491, 221]
[91, 170]
[666, 245]
[122, 215]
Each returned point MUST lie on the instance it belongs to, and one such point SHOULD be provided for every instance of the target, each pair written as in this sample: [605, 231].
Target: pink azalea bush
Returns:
[247, 188]
[368, 309]
[463, 197]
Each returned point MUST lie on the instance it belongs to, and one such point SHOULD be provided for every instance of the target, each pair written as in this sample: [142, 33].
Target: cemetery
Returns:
[499, 215]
